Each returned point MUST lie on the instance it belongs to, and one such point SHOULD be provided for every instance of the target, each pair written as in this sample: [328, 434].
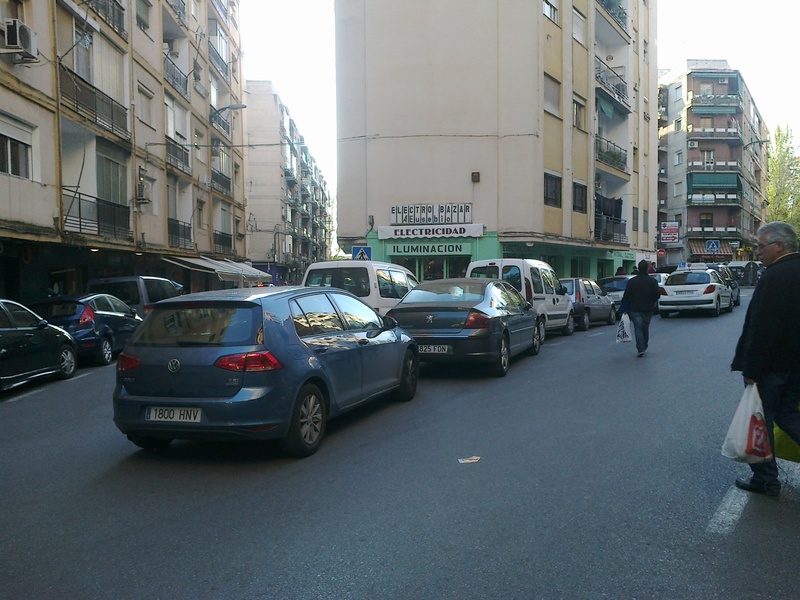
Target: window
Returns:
[314, 315]
[579, 115]
[145, 105]
[645, 221]
[708, 160]
[15, 157]
[706, 89]
[552, 96]
[678, 157]
[635, 219]
[550, 9]
[579, 197]
[10, 9]
[677, 190]
[552, 190]
[678, 93]
[706, 219]
[143, 14]
[112, 173]
[678, 124]
[645, 52]
[357, 315]
[578, 27]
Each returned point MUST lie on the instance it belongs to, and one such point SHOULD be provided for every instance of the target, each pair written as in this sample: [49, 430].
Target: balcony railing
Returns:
[112, 13]
[611, 154]
[82, 97]
[223, 242]
[616, 11]
[720, 165]
[218, 61]
[714, 199]
[180, 234]
[179, 6]
[220, 182]
[176, 77]
[726, 100]
[221, 9]
[90, 215]
[178, 156]
[610, 229]
[220, 122]
[612, 82]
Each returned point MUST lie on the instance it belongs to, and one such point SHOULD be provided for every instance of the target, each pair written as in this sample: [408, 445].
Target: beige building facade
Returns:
[505, 128]
[122, 135]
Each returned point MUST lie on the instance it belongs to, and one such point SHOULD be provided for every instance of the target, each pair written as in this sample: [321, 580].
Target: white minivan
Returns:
[539, 285]
[379, 284]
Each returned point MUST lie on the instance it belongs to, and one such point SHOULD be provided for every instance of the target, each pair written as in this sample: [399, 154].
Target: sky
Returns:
[291, 43]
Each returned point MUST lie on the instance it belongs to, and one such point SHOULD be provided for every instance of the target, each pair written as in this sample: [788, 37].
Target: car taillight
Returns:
[249, 362]
[578, 297]
[710, 289]
[87, 316]
[662, 291]
[148, 308]
[477, 320]
[126, 362]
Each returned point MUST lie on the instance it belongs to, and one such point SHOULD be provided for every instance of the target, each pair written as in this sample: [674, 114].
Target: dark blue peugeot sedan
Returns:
[258, 363]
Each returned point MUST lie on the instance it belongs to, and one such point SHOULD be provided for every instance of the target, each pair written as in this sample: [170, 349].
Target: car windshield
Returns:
[197, 325]
[442, 291]
[688, 278]
[614, 285]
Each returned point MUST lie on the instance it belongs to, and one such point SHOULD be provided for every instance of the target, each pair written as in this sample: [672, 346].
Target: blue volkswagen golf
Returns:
[258, 363]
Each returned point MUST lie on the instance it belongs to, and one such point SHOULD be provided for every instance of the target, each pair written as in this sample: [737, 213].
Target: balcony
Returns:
[728, 134]
[93, 216]
[709, 103]
[179, 6]
[220, 182]
[180, 234]
[719, 165]
[220, 122]
[611, 154]
[289, 173]
[112, 13]
[178, 156]
[619, 14]
[223, 242]
[610, 229]
[218, 61]
[85, 99]
[221, 9]
[177, 78]
[612, 84]
[721, 199]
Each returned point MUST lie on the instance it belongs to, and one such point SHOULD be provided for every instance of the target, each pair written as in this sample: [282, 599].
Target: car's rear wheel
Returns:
[67, 362]
[664, 314]
[715, 312]
[105, 353]
[149, 443]
[569, 328]
[738, 300]
[408, 378]
[307, 426]
[538, 337]
[583, 324]
[612, 316]
[503, 360]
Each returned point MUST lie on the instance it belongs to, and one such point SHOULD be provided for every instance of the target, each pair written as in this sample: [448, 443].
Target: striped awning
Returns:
[699, 248]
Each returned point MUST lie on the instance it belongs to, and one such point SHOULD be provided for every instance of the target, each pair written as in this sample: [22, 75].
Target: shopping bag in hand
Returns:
[747, 440]
[624, 331]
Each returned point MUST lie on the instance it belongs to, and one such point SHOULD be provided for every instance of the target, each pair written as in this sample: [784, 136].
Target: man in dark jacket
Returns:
[768, 351]
[640, 295]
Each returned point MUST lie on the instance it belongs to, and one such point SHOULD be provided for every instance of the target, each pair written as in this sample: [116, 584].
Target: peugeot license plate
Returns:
[433, 349]
[173, 414]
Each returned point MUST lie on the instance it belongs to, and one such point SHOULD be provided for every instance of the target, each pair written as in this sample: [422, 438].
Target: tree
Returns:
[783, 187]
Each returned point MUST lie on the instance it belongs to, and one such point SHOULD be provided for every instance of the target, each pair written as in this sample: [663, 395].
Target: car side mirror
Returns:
[603, 293]
[389, 322]
[528, 305]
[41, 324]
[562, 291]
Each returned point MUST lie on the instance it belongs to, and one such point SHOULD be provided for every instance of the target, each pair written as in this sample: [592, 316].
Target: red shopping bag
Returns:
[747, 439]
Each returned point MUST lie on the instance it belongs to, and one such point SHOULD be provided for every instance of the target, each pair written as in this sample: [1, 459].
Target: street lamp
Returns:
[215, 112]
[748, 144]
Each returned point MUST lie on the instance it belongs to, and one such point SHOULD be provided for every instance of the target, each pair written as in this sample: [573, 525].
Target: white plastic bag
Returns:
[624, 331]
[747, 440]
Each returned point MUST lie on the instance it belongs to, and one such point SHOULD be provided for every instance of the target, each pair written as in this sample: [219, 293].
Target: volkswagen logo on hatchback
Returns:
[174, 365]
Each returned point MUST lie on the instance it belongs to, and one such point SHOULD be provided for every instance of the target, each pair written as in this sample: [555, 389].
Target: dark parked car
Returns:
[730, 279]
[258, 363]
[469, 320]
[31, 348]
[590, 301]
[100, 324]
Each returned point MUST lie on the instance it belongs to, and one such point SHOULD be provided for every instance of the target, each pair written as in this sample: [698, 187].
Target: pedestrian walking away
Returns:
[640, 296]
[768, 351]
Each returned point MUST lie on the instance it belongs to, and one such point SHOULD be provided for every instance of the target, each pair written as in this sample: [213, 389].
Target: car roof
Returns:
[250, 294]
[70, 298]
[327, 264]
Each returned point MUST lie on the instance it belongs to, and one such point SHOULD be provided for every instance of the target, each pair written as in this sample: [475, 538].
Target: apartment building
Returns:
[502, 128]
[121, 142]
[713, 169]
[289, 222]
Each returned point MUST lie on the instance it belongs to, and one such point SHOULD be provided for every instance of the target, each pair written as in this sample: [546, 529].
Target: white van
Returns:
[539, 285]
[379, 284]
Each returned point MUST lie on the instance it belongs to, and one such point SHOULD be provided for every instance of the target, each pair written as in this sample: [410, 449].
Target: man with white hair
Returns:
[768, 351]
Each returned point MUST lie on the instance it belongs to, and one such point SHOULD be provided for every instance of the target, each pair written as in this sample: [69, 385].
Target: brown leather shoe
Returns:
[758, 488]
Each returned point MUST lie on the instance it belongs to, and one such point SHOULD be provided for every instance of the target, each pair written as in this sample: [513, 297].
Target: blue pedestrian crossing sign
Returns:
[362, 253]
[712, 246]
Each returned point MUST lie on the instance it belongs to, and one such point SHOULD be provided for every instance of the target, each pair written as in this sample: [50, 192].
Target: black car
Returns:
[31, 348]
[100, 324]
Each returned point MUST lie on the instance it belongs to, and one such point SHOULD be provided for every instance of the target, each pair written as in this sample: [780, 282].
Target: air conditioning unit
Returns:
[692, 144]
[723, 80]
[143, 190]
[21, 39]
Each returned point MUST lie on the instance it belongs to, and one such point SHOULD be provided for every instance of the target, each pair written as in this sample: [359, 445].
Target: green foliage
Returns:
[783, 189]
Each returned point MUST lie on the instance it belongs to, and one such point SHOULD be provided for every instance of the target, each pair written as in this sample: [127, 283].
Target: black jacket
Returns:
[770, 340]
[641, 293]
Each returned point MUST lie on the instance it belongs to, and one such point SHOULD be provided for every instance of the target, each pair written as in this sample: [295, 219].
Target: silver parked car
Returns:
[590, 302]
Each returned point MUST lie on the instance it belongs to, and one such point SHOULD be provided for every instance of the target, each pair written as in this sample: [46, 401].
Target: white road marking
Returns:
[728, 512]
[596, 334]
[39, 391]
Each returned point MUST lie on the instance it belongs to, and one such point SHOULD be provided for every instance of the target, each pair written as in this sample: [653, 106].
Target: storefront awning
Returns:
[226, 270]
[699, 248]
[714, 181]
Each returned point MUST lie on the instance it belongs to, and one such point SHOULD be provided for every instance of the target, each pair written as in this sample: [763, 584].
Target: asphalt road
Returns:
[600, 476]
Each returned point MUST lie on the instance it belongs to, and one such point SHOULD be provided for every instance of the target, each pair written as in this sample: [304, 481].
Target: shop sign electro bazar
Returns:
[430, 221]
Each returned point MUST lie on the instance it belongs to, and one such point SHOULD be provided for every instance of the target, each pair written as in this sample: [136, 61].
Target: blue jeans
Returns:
[780, 395]
[641, 328]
